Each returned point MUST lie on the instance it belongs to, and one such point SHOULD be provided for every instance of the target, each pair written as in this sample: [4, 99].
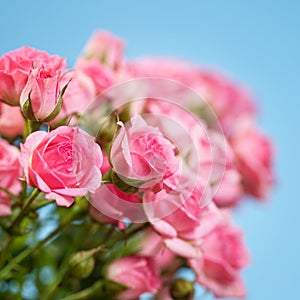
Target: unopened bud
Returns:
[182, 289]
[82, 263]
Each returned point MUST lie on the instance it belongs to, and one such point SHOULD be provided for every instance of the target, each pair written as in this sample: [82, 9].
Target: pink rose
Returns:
[223, 257]
[162, 67]
[140, 154]
[113, 206]
[137, 273]
[80, 92]
[178, 217]
[15, 67]
[102, 76]
[109, 204]
[63, 163]
[11, 120]
[176, 213]
[229, 190]
[254, 153]
[41, 99]
[10, 171]
[230, 101]
[106, 48]
[153, 246]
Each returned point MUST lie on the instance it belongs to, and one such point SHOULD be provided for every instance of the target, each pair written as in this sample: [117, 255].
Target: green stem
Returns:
[30, 126]
[42, 203]
[60, 275]
[5, 251]
[15, 223]
[25, 208]
[87, 293]
[27, 129]
[21, 256]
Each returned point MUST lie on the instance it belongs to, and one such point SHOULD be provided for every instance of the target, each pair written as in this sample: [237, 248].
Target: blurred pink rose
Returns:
[11, 120]
[63, 163]
[140, 154]
[230, 101]
[106, 48]
[162, 67]
[138, 273]
[43, 92]
[254, 153]
[153, 246]
[230, 189]
[102, 76]
[10, 171]
[80, 92]
[223, 257]
[15, 67]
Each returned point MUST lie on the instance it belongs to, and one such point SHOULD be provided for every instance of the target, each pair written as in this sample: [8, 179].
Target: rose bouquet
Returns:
[119, 174]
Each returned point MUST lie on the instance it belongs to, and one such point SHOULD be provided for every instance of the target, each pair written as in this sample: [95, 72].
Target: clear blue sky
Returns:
[256, 42]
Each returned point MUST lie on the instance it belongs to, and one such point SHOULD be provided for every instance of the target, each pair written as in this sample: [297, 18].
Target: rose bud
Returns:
[82, 263]
[41, 99]
[182, 289]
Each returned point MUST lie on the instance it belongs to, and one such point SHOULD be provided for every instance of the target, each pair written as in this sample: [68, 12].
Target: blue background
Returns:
[256, 42]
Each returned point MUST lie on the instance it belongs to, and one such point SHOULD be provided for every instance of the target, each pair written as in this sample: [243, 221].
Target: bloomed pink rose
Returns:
[106, 48]
[178, 218]
[11, 120]
[254, 153]
[141, 154]
[63, 163]
[15, 67]
[43, 91]
[223, 257]
[137, 273]
[10, 171]
[176, 213]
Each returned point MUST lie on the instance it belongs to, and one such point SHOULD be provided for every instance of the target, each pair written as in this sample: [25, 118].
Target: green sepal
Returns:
[27, 110]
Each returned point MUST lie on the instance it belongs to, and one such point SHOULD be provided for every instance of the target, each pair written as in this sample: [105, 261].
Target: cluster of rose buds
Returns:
[154, 145]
